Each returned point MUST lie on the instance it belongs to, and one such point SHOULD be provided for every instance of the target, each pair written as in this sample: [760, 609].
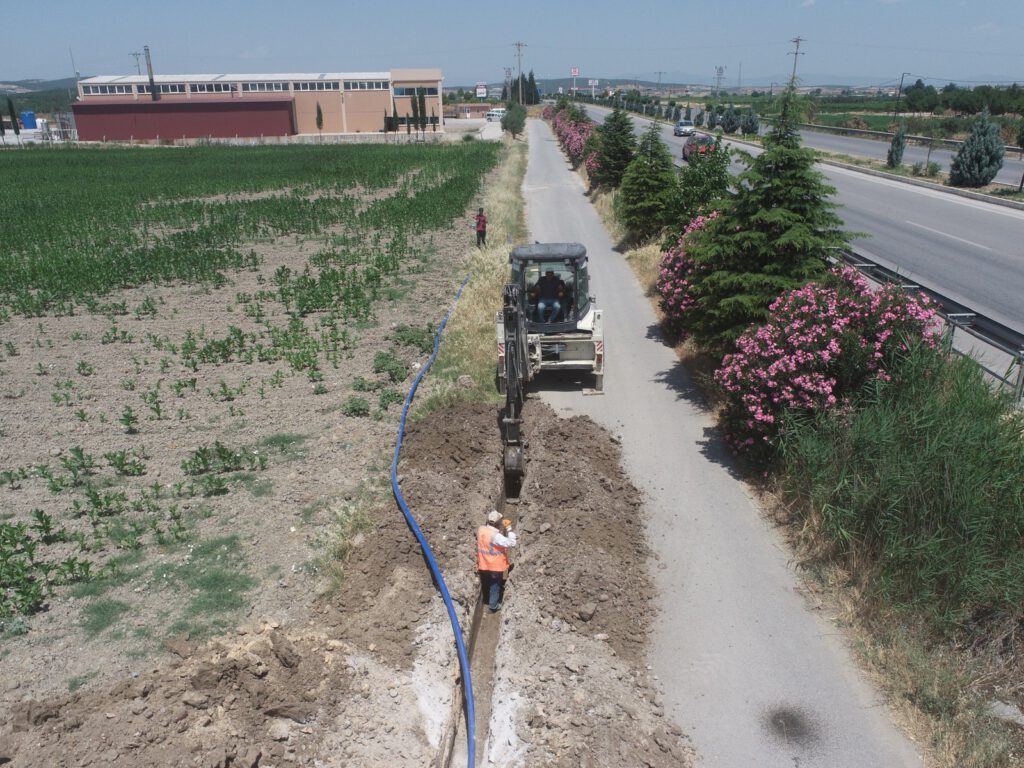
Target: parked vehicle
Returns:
[684, 128]
[698, 142]
[496, 114]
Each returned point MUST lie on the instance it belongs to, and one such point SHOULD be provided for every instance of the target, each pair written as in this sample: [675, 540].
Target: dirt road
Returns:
[749, 670]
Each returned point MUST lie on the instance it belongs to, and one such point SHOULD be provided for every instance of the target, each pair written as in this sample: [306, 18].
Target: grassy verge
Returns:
[468, 346]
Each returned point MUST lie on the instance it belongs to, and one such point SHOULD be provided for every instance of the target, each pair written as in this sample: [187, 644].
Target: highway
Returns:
[875, 149]
[969, 250]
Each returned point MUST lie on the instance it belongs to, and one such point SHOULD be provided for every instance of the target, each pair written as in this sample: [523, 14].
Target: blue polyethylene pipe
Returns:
[467, 682]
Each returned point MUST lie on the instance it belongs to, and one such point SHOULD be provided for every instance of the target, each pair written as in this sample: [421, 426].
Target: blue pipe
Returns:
[467, 682]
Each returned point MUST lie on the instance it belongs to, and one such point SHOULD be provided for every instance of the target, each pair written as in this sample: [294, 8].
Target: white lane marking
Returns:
[951, 237]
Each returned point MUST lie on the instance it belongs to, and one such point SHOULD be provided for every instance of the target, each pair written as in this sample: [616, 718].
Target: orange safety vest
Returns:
[489, 556]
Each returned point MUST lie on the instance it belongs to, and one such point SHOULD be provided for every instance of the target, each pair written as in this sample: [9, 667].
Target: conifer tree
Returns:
[514, 120]
[14, 117]
[730, 120]
[773, 235]
[712, 120]
[699, 119]
[980, 157]
[415, 112]
[647, 184]
[689, 112]
[530, 94]
[750, 124]
[320, 120]
[616, 147]
[894, 157]
[421, 97]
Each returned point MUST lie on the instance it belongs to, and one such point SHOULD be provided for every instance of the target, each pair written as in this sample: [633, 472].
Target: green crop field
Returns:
[80, 223]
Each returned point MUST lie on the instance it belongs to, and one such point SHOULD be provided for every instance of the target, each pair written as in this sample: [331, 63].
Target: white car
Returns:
[684, 128]
[496, 114]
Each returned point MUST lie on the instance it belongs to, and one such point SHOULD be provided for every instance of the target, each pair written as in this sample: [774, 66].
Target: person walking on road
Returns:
[481, 229]
[493, 541]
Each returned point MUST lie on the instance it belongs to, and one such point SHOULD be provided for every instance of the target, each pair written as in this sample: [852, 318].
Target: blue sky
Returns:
[864, 41]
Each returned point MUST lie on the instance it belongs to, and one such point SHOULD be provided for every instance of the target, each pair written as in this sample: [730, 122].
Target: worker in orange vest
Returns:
[492, 543]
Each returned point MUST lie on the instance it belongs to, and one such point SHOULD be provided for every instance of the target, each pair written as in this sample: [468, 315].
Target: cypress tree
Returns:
[773, 235]
[394, 116]
[319, 119]
[14, 117]
[616, 149]
[531, 90]
[647, 184]
[415, 102]
[689, 113]
[980, 157]
[712, 120]
[750, 123]
[894, 157]
[421, 97]
[699, 119]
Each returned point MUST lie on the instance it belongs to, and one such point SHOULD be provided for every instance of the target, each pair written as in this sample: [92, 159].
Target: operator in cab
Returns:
[549, 294]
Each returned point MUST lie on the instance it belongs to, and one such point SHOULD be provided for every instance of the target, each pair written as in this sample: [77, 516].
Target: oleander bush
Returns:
[821, 344]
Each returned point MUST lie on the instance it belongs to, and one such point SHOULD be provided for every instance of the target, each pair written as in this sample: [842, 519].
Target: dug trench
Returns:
[370, 679]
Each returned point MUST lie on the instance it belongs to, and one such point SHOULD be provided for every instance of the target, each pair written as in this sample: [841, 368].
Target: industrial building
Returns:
[135, 107]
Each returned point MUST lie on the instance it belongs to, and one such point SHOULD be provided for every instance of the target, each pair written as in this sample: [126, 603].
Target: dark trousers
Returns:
[492, 584]
[481, 238]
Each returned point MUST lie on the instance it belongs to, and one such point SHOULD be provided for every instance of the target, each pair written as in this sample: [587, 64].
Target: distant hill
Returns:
[23, 86]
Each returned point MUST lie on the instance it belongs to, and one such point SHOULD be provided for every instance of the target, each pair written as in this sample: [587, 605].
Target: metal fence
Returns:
[963, 319]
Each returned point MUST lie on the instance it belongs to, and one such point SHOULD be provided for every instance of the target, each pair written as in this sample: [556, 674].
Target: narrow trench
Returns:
[482, 646]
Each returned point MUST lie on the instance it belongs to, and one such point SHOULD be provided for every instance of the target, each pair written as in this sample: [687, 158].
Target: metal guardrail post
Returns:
[1019, 389]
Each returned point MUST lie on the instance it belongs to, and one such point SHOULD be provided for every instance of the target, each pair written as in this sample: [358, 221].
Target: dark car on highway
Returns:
[699, 142]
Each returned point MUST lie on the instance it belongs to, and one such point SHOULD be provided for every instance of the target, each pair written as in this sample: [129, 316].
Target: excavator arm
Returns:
[516, 374]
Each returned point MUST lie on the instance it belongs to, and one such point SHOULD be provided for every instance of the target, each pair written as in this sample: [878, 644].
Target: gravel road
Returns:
[749, 671]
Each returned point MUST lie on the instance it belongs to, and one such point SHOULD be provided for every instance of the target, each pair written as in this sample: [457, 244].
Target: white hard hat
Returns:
[493, 516]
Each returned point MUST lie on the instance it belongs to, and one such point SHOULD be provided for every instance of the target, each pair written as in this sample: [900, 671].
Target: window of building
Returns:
[366, 85]
[103, 90]
[211, 87]
[264, 87]
[415, 91]
[318, 85]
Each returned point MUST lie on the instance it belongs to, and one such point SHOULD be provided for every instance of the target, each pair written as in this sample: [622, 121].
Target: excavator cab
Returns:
[548, 322]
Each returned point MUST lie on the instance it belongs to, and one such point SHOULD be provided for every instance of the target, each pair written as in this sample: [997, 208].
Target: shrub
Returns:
[980, 157]
[356, 406]
[821, 343]
[674, 278]
[899, 142]
[700, 184]
[921, 482]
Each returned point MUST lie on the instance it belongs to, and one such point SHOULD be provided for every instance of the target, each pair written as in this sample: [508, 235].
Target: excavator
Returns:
[548, 323]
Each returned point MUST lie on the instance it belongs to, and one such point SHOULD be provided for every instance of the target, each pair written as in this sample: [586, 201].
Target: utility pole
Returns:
[137, 55]
[508, 83]
[795, 54]
[719, 74]
[519, 55]
[896, 109]
[659, 73]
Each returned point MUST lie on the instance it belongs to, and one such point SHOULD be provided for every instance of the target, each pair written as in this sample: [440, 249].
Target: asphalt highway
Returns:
[971, 251]
[749, 667]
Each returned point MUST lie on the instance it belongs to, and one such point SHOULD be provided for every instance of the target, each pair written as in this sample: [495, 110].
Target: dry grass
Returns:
[468, 345]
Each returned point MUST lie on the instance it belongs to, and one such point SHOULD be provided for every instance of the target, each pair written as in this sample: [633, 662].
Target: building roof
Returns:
[395, 74]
